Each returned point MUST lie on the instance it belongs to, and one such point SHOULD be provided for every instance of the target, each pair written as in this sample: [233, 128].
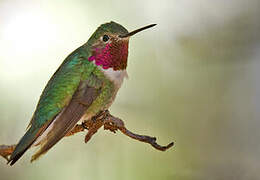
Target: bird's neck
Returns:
[113, 55]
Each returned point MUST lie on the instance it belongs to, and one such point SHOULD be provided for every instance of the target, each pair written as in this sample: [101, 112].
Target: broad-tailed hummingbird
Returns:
[85, 84]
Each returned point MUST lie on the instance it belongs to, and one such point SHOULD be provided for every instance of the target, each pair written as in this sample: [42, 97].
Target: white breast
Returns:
[115, 76]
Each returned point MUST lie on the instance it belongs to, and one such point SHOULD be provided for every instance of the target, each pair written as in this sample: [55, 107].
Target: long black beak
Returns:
[136, 31]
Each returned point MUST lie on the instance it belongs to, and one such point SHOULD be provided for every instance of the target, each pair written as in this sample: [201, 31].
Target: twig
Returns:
[113, 123]
[93, 125]
[6, 150]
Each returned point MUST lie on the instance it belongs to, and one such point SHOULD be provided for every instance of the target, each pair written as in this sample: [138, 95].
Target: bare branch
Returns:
[113, 123]
[93, 125]
[6, 150]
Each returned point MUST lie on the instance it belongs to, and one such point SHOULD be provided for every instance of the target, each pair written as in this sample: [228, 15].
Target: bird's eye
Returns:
[105, 38]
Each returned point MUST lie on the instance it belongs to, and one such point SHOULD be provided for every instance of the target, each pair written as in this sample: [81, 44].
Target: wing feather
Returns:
[82, 99]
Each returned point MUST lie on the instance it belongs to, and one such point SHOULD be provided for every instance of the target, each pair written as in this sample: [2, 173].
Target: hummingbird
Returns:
[85, 84]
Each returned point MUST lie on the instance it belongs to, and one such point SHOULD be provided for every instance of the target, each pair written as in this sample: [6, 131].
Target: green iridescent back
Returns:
[61, 87]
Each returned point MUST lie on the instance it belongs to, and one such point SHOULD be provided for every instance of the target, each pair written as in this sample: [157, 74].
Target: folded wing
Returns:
[82, 99]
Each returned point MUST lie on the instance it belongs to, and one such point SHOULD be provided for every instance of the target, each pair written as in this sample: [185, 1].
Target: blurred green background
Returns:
[194, 79]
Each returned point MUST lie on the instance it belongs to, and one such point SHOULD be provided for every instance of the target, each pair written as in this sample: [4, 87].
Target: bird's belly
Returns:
[108, 94]
[103, 102]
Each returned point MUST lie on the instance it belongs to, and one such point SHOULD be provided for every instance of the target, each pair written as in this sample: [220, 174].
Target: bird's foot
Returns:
[95, 123]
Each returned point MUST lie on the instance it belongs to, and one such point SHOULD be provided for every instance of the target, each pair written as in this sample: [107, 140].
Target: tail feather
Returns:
[61, 126]
[24, 144]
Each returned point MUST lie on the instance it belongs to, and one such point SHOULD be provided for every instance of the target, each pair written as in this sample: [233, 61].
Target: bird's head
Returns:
[109, 45]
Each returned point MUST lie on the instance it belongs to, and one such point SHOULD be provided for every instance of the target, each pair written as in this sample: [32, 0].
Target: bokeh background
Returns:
[194, 79]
